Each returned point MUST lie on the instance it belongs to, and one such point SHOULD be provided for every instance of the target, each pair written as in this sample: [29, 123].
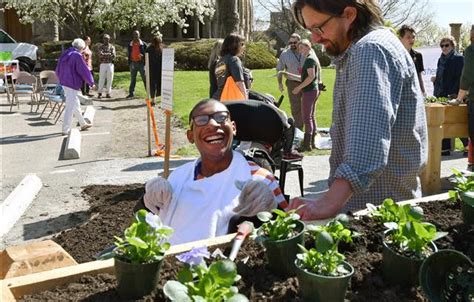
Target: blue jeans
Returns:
[134, 68]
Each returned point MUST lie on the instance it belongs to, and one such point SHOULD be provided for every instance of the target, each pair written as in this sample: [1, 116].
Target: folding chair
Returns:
[24, 84]
[46, 85]
[57, 98]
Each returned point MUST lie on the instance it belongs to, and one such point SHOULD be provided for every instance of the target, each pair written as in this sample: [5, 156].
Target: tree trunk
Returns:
[228, 17]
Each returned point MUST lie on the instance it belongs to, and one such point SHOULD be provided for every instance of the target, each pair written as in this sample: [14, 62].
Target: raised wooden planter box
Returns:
[444, 121]
[14, 288]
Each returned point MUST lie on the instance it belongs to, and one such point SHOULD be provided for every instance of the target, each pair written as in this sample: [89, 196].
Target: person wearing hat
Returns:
[106, 70]
[72, 72]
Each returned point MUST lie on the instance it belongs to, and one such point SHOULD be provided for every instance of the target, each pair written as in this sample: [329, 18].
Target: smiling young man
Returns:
[204, 192]
[379, 135]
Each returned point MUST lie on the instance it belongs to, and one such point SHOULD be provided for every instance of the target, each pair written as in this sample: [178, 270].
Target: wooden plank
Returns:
[5, 294]
[455, 130]
[34, 283]
[455, 114]
[431, 198]
[430, 177]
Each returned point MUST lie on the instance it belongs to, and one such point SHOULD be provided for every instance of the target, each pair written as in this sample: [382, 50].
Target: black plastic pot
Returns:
[281, 254]
[445, 270]
[319, 288]
[401, 270]
[467, 209]
[135, 279]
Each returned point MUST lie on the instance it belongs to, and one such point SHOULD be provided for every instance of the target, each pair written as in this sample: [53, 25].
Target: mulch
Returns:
[111, 212]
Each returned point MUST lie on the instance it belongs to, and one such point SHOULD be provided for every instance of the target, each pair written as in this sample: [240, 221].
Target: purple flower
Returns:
[153, 220]
[194, 256]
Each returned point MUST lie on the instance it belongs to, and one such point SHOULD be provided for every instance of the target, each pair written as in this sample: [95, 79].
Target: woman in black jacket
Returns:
[447, 79]
[155, 50]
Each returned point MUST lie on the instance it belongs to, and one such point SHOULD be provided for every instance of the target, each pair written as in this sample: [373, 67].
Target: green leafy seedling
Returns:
[144, 240]
[284, 226]
[324, 258]
[462, 185]
[198, 282]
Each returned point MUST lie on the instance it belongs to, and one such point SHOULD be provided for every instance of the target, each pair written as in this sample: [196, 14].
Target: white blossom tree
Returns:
[86, 16]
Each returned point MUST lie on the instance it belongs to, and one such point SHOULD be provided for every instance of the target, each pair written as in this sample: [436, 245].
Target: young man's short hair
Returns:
[404, 29]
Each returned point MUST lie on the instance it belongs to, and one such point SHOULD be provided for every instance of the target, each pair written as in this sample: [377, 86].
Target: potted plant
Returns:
[138, 256]
[280, 236]
[406, 243]
[198, 282]
[322, 273]
[464, 191]
[447, 275]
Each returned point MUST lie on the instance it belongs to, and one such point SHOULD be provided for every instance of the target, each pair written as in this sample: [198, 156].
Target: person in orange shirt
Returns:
[136, 61]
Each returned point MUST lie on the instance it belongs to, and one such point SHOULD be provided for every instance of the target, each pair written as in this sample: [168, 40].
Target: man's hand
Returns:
[158, 194]
[280, 87]
[255, 197]
[313, 209]
[296, 90]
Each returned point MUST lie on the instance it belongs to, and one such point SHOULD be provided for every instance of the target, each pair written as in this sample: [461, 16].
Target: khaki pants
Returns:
[295, 103]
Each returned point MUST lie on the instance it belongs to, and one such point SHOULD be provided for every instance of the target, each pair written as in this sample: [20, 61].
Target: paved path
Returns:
[31, 145]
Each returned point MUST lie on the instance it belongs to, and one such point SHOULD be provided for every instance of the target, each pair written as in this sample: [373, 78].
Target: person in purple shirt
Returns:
[72, 72]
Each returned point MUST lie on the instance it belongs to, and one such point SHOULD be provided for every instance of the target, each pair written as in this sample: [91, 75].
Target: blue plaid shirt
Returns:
[379, 132]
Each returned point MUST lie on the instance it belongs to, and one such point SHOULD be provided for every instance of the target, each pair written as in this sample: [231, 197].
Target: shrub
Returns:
[257, 56]
[195, 55]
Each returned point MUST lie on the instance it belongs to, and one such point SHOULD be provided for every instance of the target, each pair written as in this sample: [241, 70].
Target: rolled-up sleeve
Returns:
[372, 89]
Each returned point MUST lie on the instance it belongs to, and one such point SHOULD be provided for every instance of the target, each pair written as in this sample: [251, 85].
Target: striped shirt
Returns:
[379, 133]
[292, 62]
[258, 173]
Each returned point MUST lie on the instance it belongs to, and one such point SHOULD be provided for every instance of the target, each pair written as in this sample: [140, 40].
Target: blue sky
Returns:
[453, 11]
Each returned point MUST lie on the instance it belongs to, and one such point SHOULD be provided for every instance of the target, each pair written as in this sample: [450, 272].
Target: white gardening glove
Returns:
[158, 194]
[255, 197]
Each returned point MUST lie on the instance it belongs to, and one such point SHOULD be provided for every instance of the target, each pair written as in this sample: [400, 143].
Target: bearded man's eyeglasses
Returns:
[319, 29]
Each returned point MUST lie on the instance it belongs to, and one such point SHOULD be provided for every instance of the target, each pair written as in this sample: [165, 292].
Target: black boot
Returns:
[306, 146]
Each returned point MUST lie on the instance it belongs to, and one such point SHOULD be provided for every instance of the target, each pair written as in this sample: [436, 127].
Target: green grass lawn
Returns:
[193, 86]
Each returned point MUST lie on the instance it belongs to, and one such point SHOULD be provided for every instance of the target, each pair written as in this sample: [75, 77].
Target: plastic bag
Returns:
[231, 91]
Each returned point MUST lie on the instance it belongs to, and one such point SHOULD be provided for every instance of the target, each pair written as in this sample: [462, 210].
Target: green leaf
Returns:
[370, 207]
[185, 275]
[176, 291]
[223, 271]
[280, 212]
[343, 219]
[264, 216]
[439, 235]
[416, 212]
[138, 242]
[238, 298]
[324, 242]
[391, 225]
[140, 215]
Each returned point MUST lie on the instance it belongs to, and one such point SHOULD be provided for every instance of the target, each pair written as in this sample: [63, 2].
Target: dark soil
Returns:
[111, 208]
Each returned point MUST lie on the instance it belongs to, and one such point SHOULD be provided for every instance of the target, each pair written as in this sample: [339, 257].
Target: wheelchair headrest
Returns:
[257, 121]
